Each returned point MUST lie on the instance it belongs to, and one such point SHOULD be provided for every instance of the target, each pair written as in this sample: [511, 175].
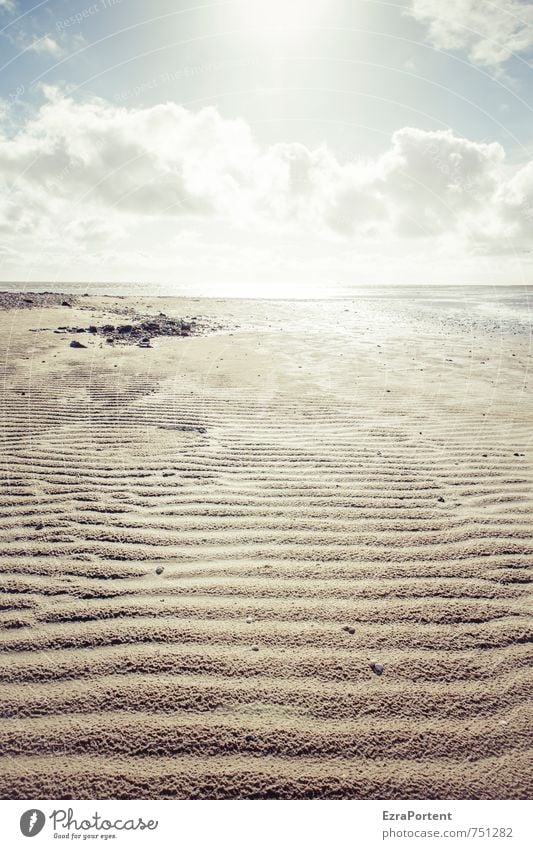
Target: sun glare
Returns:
[282, 15]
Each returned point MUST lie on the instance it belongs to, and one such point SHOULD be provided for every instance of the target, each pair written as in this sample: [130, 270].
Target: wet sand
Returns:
[286, 556]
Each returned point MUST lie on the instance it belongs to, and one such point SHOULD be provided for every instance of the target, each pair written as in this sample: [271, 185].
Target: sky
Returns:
[266, 145]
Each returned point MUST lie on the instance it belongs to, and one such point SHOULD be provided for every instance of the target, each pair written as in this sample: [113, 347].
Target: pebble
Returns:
[349, 629]
[377, 668]
[441, 499]
[76, 344]
[249, 621]
[255, 648]
[159, 570]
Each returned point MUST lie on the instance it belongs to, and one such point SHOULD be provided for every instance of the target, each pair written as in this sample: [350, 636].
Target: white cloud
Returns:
[89, 177]
[46, 44]
[436, 180]
[27, 37]
[489, 31]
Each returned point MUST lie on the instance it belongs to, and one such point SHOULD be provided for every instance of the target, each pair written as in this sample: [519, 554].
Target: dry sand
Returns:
[327, 486]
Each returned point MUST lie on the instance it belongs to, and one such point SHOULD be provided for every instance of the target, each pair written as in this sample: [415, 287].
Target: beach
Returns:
[266, 549]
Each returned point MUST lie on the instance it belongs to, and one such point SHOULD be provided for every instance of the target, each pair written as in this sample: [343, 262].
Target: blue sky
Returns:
[266, 142]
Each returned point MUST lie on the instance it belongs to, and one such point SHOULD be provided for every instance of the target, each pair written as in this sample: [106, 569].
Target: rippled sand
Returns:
[205, 546]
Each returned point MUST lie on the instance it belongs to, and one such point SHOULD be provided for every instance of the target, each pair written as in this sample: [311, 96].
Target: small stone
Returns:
[39, 526]
[76, 344]
[441, 499]
[159, 570]
[255, 648]
[249, 620]
[377, 668]
[349, 629]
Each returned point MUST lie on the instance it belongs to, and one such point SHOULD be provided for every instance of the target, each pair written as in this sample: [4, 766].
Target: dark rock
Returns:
[349, 629]
[108, 328]
[125, 328]
[66, 304]
[377, 668]
[159, 570]
[76, 344]
[441, 499]
[255, 648]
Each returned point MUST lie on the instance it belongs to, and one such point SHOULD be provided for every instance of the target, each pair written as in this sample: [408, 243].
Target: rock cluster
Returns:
[138, 333]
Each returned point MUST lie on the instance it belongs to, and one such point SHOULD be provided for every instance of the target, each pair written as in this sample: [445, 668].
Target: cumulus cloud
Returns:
[436, 180]
[88, 173]
[489, 32]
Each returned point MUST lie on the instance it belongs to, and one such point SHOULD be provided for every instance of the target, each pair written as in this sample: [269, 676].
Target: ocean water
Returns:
[496, 303]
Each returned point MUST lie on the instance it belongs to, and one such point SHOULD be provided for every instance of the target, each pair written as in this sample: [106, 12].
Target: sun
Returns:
[292, 16]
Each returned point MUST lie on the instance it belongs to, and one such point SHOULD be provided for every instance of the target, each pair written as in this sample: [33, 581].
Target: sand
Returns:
[284, 558]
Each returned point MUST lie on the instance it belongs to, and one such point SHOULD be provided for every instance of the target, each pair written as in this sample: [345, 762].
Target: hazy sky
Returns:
[299, 143]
